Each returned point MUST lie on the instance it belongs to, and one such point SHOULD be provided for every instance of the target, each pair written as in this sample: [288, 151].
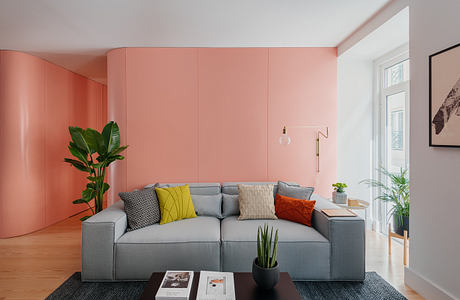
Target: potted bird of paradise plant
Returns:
[94, 152]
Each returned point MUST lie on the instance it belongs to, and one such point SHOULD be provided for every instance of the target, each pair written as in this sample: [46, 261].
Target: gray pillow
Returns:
[208, 205]
[293, 191]
[230, 204]
[141, 207]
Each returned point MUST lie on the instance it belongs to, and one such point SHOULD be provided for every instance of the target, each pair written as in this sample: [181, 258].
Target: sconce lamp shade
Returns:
[284, 138]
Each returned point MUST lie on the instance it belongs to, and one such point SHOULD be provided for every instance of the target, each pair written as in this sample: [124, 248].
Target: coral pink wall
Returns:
[215, 114]
[38, 101]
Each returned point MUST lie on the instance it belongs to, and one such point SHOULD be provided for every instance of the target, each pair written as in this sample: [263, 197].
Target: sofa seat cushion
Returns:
[189, 244]
[302, 250]
[199, 229]
[246, 230]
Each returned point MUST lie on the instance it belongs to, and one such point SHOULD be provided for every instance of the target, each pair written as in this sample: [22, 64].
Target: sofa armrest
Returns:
[98, 236]
[347, 238]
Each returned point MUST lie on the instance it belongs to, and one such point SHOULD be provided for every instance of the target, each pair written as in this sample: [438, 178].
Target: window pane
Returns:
[397, 73]
[395, 132]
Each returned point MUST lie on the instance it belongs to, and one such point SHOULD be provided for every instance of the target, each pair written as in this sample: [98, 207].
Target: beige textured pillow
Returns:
[256, 202]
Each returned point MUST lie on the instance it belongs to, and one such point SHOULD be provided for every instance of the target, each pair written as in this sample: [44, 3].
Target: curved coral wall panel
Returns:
[38, 101]
[116, 74]
[22, 108]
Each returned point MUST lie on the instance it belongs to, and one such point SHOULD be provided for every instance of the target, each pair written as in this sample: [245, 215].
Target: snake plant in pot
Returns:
[394, 190]
[94, 152]
[265, 268]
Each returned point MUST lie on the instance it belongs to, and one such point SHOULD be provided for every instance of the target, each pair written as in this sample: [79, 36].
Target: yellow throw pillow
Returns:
[175, 203]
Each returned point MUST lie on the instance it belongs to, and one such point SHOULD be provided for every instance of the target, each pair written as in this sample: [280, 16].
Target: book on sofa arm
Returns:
[216, 286]
[338, 213]
[176, 285]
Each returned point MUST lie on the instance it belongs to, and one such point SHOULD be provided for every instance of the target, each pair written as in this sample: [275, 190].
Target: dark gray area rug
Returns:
[373, 287]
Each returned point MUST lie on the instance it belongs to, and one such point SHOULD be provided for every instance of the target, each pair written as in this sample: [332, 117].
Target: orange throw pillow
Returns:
[295, 210]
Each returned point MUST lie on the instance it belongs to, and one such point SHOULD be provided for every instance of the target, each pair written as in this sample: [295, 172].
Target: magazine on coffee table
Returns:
[176, 285]
[216, 286]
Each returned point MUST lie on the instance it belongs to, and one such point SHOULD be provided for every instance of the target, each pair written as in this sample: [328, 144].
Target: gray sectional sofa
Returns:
[332, 249]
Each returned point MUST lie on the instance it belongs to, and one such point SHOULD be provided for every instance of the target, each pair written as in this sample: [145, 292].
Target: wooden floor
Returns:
[32, 266]
[390, 268]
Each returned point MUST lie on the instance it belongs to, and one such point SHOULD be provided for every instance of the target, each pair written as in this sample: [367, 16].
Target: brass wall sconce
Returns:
[286, 140]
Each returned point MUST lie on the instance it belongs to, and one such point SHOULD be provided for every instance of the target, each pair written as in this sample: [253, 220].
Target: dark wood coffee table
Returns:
[245, 288]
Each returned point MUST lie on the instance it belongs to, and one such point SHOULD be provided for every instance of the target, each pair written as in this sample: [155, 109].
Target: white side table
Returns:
[363, 205]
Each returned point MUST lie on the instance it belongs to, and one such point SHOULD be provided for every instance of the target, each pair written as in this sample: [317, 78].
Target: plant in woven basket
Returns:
[266, 247]
[94, 152]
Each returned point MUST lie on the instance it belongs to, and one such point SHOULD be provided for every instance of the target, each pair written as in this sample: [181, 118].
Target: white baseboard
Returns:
[425, 287]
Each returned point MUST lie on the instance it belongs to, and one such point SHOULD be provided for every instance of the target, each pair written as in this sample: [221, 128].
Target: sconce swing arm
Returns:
[319, 133]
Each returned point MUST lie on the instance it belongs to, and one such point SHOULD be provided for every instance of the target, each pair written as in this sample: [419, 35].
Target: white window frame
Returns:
[379, 107]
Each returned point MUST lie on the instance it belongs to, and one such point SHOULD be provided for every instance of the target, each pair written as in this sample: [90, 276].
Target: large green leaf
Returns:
[77, 164]
[111, 134]
[118, 150]
[94, 178]
[78, 201]
[88, 194]
[85, 218]
[111, 159]
[98, 165]
[91, 185]
[75, 151]
[95, 141]
[105, 188]
[114, 153]
[78, 138]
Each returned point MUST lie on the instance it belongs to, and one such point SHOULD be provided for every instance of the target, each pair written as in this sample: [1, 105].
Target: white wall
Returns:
[354, 124]
[435, 172]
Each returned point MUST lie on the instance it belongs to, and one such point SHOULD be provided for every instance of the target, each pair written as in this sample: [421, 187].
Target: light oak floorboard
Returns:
[390, 268]
[33, 265]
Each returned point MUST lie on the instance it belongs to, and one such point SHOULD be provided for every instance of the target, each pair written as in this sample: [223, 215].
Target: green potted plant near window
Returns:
[265, 268]
[94, 152]
[395, 192]
[338, 195]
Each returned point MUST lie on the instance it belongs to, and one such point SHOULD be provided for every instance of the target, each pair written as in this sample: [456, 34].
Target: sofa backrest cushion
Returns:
[230, 202]
[231, 188]
[294, 191]
[206, 197]
[201, 188]
[230, 205]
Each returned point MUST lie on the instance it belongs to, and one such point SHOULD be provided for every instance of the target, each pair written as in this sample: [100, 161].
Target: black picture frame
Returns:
[430, 108]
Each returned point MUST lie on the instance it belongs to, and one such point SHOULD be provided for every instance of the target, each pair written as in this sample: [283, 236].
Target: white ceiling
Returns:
[390, 35]
[76, 34]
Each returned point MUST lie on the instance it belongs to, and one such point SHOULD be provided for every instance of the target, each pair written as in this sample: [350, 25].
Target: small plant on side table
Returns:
[338, 195]
[265, 268]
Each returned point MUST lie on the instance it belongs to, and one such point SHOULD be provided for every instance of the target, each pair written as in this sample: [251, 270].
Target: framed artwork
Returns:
[445, 98]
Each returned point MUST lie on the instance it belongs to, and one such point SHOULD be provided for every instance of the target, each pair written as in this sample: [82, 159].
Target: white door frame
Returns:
[379, 127]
